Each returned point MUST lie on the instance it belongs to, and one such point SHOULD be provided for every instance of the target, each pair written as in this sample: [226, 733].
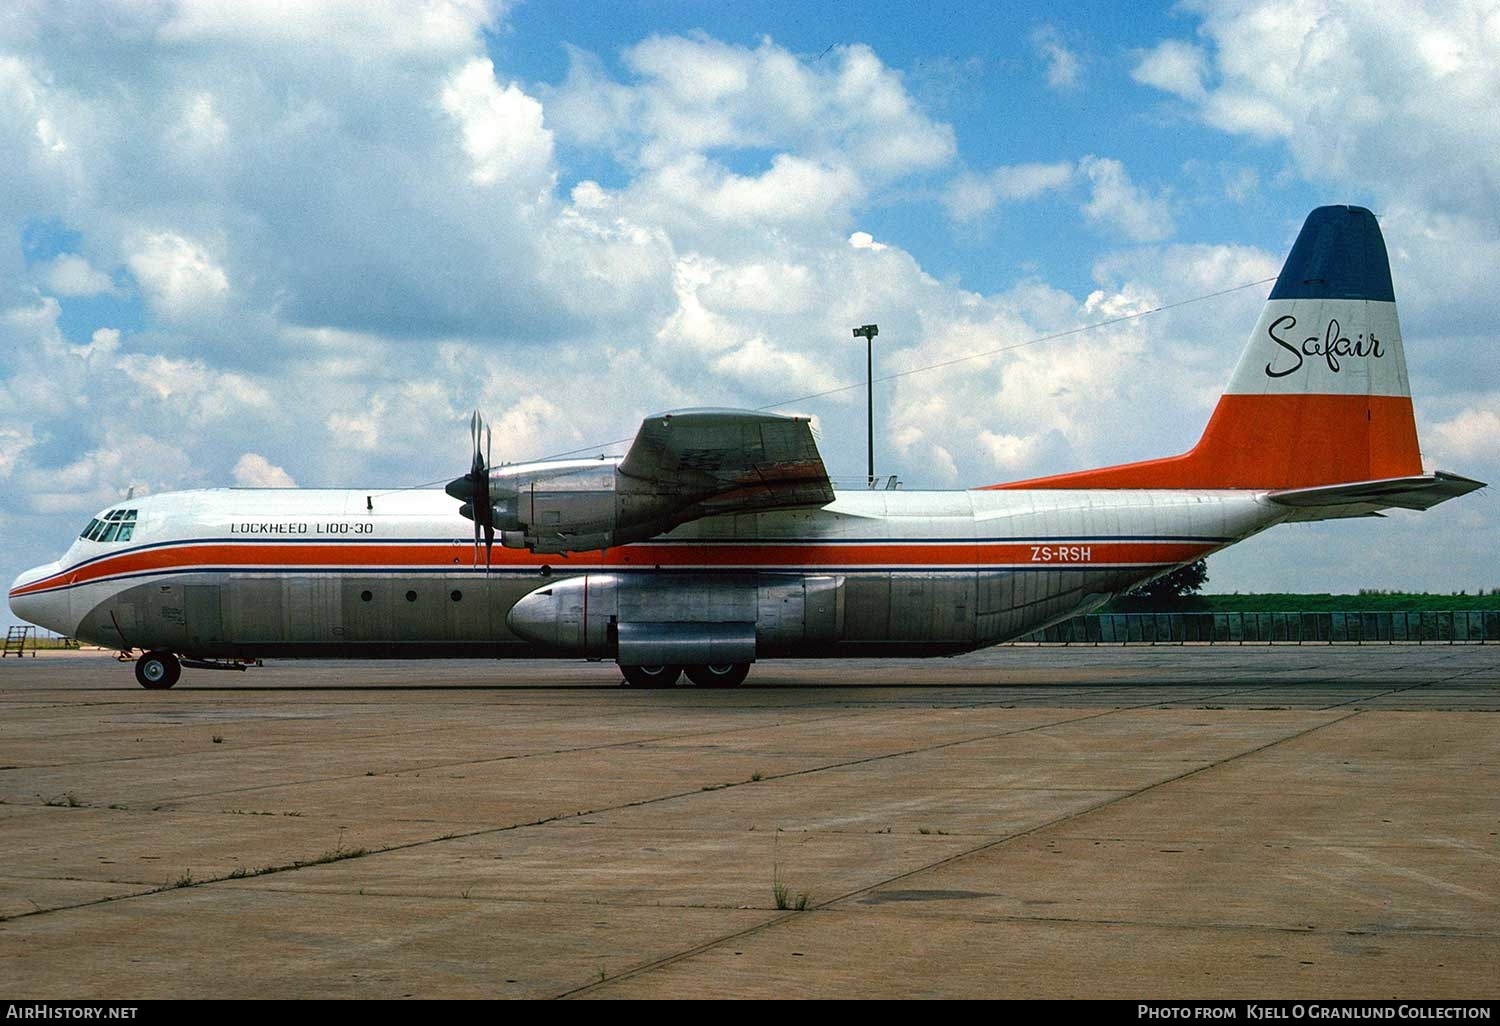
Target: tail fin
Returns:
[1320, 396]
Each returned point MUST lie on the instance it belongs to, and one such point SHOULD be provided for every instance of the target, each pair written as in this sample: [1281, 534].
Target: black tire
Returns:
[719, 675]
[652, 676]
[157, 671]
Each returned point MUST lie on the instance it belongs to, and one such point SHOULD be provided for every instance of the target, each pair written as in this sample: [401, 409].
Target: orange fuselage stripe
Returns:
[437, 557]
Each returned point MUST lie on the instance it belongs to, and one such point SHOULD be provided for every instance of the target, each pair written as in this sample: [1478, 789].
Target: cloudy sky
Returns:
[275, 244]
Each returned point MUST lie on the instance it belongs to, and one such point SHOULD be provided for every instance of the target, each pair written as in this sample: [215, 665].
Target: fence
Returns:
[1356, 628]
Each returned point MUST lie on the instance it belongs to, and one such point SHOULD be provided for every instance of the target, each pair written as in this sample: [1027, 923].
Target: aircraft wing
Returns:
[1367, 498]
[727, 461]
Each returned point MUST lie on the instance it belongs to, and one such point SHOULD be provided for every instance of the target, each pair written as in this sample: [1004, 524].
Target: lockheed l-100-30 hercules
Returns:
[718, 538]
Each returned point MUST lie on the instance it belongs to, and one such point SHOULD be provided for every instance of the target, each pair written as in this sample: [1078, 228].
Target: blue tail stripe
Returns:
[1339, 254]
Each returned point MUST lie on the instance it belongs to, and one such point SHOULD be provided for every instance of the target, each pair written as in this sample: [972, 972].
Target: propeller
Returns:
[473, 489]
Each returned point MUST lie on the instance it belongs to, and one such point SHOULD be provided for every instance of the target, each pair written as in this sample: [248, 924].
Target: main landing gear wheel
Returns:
[157, 671]
[651, 676]
[719, 675]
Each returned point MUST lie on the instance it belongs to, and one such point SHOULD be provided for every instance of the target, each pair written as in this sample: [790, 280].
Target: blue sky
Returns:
[975, 66]
[255, 244]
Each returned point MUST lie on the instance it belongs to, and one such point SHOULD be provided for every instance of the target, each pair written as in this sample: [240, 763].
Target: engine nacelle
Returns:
[575, 506]
[603, 615]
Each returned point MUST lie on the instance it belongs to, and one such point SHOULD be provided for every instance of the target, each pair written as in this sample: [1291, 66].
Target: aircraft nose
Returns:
[44, 608]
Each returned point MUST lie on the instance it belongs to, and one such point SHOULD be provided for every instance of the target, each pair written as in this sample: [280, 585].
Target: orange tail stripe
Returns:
[1275, 441]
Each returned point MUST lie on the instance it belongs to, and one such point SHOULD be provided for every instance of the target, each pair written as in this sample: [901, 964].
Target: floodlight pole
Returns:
[868, 333]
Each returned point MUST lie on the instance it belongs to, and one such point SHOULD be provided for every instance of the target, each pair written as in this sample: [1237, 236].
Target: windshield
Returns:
[115, 525]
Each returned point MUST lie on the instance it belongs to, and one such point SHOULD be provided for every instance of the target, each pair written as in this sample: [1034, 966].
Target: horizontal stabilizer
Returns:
[1362, 498]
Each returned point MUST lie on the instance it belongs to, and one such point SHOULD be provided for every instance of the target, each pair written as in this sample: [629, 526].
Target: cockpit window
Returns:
[116, 525]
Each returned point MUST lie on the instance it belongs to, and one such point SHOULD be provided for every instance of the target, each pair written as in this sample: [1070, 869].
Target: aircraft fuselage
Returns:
[320, 573]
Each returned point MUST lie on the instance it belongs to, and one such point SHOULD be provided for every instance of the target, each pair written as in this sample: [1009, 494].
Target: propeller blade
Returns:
[489, 509]
[473, 489]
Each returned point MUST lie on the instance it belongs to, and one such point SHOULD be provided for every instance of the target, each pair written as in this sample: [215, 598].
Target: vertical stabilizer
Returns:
[1320, 395]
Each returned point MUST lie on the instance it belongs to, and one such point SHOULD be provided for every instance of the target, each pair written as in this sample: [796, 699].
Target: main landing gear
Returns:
[719, 675]
[157, 671]
[712, 675]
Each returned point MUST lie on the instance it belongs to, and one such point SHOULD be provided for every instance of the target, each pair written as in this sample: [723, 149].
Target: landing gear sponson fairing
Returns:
[718, 538]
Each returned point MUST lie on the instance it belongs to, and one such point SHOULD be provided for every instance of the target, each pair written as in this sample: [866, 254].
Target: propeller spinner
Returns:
[473, 490]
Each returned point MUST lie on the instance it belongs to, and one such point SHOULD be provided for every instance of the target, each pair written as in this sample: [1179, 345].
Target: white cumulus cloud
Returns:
[692, 95]
[1395, 97]
[502, 129]
[971, 196]
[360, 27]
[1174, 67]
[255, 471]
[1117, 203]
[1064, 67]
[1469, 435]
[71, 275]
[178, 275]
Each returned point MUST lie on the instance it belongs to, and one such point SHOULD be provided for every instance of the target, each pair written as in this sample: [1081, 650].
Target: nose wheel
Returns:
[157, 671]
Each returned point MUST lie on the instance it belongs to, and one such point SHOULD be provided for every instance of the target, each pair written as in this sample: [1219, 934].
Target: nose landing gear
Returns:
[157, 671]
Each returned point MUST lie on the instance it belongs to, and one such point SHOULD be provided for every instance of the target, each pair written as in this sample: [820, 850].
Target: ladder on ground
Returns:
[15, 642]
